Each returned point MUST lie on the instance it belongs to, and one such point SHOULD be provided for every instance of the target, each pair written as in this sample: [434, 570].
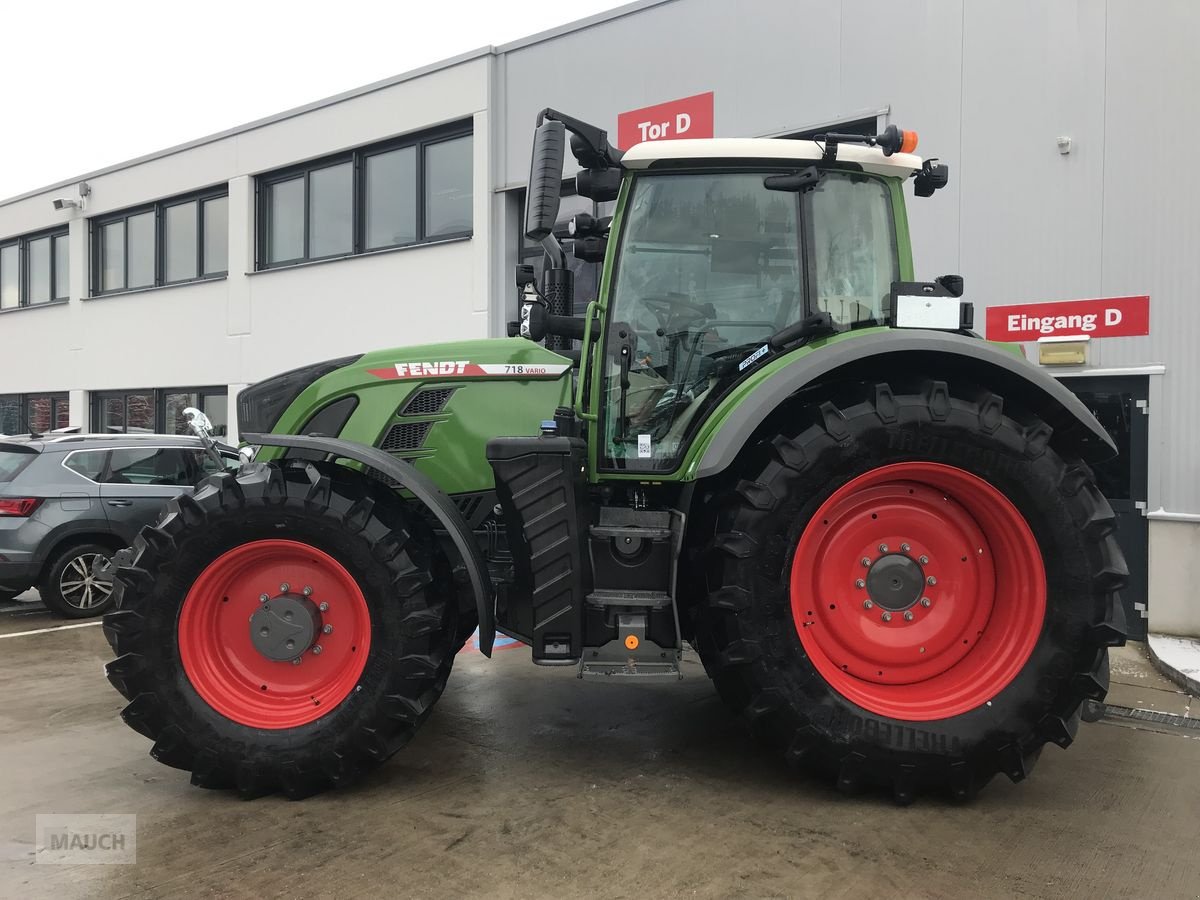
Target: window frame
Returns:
[55, 398]
[24, 283]
[158, 395]
[96, 225]
[357, 158]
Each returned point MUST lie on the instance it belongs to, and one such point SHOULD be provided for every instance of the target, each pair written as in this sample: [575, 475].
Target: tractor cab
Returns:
[722, 254]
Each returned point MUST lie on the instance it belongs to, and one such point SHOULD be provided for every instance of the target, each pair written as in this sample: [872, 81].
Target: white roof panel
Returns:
[640, 156]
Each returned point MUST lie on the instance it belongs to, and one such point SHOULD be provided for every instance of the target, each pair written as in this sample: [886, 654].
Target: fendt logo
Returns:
[421, 369]
[468, 369]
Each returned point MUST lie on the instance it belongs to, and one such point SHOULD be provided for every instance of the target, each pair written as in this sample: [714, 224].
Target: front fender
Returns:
[427, 492]
[893, 351]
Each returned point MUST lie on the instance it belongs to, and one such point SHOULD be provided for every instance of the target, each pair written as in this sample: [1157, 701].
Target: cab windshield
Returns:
[711, 265]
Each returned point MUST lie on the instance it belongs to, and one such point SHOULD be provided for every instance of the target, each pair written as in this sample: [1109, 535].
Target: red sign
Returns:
[691, 117]
[1106, 317]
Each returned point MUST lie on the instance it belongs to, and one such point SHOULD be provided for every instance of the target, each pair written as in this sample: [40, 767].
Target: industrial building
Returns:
[390, 215]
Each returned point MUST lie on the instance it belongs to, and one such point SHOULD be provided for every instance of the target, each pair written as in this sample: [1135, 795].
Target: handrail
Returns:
[584, 358]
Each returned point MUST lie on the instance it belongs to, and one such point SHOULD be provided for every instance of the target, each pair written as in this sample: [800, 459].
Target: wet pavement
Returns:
[528, 783]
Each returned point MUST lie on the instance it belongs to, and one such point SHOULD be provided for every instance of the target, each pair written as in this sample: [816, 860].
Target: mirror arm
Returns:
[601, 153]
[554, 249]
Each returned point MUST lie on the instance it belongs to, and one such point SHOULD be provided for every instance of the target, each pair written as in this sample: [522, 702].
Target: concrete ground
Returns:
[527, 783]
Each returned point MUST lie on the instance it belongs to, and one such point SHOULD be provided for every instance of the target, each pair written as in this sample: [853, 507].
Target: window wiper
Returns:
[816, 325]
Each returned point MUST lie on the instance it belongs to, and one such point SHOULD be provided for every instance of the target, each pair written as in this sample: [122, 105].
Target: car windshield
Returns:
[711, 265]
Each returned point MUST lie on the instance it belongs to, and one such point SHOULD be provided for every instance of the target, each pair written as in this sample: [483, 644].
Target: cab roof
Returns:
[871, 159]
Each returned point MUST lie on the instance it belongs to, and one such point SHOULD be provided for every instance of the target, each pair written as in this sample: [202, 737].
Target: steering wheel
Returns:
[666, 305]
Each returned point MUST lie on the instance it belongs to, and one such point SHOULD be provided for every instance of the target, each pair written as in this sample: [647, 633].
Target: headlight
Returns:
[261, 404]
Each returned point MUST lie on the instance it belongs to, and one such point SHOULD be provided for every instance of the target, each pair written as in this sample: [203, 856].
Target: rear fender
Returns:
[893, 352]
[427, 492]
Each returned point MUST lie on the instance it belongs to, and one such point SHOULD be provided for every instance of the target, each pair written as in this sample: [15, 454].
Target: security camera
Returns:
[65, 203]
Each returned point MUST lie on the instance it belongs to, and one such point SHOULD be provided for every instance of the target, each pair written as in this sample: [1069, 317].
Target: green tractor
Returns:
[762, 437]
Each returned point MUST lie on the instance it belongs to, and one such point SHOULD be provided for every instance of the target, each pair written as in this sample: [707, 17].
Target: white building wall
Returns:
[252, 324]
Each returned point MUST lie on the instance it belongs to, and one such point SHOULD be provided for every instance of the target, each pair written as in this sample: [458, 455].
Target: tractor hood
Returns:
[436, 405]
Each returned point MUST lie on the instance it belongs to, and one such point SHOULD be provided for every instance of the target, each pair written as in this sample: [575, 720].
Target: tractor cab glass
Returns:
[709, 267]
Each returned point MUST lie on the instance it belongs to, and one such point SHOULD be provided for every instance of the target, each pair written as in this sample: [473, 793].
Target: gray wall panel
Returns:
[1152, 222]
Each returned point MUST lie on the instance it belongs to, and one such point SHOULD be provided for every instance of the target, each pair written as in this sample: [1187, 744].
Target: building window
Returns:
[40, 413]
[170, 242]
[158, 410]
[403, 192]
[34, 269]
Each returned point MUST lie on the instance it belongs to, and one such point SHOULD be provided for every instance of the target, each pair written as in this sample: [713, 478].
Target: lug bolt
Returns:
[296, 661]
[931, 580]
[926, 602]
[307, 592]
[924, 560]
[887, 617]
[922, 650]
[291, 645]
[883, 548]
[859, 583]
[328, 629]
[263, 598]
[324, 607]
[284, 588]
[867, 604]
[908, 616]
[316, 649]
[866, 562]
[904, 548]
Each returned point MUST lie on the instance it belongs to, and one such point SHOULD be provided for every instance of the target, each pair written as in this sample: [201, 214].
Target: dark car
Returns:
[67, 501]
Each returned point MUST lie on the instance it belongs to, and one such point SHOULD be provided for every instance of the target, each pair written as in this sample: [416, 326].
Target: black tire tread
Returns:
[416, 673]
[733, 657]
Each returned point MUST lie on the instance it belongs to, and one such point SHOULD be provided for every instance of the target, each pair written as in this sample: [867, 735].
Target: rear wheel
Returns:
[914, 591]
[288, 628]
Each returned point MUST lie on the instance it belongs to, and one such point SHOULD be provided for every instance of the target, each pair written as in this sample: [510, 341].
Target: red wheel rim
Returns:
[221, 660]
[981, 591]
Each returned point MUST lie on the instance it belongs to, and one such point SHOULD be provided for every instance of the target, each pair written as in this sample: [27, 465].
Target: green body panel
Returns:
[482, 407]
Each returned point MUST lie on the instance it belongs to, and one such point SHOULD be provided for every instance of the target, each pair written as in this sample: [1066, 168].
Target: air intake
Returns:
[406, 436]
[427, 401]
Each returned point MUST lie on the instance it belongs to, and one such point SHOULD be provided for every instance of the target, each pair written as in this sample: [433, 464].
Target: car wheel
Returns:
[69, 588]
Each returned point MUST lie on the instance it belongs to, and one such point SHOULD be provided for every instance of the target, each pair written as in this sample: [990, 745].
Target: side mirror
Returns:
[545, 179]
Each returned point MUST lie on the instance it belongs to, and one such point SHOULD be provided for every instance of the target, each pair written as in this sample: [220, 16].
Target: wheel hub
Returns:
[895, 582]
[274, 633]
[918, 590]
[285, 626]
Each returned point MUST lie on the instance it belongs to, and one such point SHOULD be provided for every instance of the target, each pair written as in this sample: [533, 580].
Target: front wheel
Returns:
[914, 591]
[288, 628]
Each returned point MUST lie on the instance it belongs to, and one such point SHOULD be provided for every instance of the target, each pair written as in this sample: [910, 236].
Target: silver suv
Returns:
[68, 500]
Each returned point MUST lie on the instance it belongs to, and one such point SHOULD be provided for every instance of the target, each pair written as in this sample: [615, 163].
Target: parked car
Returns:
[69, 501]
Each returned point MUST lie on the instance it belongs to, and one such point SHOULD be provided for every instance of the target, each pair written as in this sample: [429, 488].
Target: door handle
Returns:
[119, 502]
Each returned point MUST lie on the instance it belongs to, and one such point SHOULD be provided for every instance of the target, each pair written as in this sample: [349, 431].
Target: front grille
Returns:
[427, 401]
[406, 436]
